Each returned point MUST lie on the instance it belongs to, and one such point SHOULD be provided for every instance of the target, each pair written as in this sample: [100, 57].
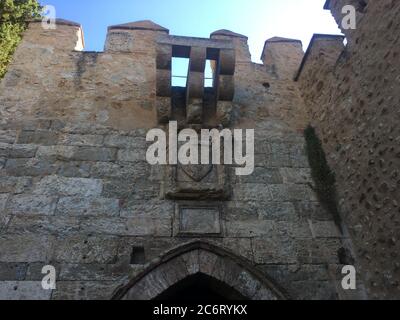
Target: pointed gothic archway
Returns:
[200, 271]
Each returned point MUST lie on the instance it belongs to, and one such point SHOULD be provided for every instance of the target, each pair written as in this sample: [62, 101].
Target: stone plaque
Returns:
[197, 221]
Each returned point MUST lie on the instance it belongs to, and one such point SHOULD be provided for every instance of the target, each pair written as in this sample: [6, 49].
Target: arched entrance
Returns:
[200, 271]
[198, 288]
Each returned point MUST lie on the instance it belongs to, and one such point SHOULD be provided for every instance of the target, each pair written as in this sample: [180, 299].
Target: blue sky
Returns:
[258, 19]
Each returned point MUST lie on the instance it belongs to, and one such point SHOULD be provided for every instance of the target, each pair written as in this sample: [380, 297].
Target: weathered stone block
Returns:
[104, 225]
[3, 200]
[34, 271]
[263, 294]
[22, 151]
[286, 274]
[130, 190]
[95, 154]
[85, 290]
[81, 140]
[207, 261]
[74, 169]
[40, 137]
[13, 271]
[4, 150]
[224, 113]
[153, 247]
[278, 211]
[132, 155]
[296, 230]
[192, 261]
[252, 191]
[3, 217]
[272, 160]
[96, 272]
[292, 192]
[313, 290]
[296, 175]
[298, 156]
[119, 41]
[77, 206]
[126, 142]
[319, 251]
[8, 136]
[79, 127]
[55, 185]
[254, 228]
[31, 205]
[85, 249]
[62, 153]
[68, 153]
[23, 290]
[276, 250]
[312, 210]
[241, 211]
[241, 245]
[30, 167]
[262, 175]
[15, 184]
[150, 209]
[137, 227]
[110, 170]
[24, 248]
[35, 124]
[247, 285]
[45, 225]
[172, 272]
[324, 229]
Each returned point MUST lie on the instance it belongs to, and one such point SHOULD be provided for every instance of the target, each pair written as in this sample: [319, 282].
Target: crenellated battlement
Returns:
[129, 77]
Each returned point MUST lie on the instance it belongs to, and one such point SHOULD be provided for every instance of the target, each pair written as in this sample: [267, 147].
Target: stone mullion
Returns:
[225, 85]
[164, 85]
[195, 85]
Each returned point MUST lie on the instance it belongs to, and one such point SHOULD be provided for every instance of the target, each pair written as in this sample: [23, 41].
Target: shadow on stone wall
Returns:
[323, 177]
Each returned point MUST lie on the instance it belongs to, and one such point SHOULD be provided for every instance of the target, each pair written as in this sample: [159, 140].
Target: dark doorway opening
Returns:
[198, 288]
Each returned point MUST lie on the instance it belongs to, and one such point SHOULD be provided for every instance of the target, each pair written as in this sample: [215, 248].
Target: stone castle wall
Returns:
[352, 98]
[76, 192]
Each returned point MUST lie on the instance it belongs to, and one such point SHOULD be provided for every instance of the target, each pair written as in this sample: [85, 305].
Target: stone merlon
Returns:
[282, 56]
[66, 30]
[139, 25]
[228, 33]
[328, 40]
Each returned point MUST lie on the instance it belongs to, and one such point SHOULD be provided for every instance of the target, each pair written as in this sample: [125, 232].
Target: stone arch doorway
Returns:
[198, 288]
[200, 271]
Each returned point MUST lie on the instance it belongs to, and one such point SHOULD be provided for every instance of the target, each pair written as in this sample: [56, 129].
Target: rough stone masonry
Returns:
[77, 193]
